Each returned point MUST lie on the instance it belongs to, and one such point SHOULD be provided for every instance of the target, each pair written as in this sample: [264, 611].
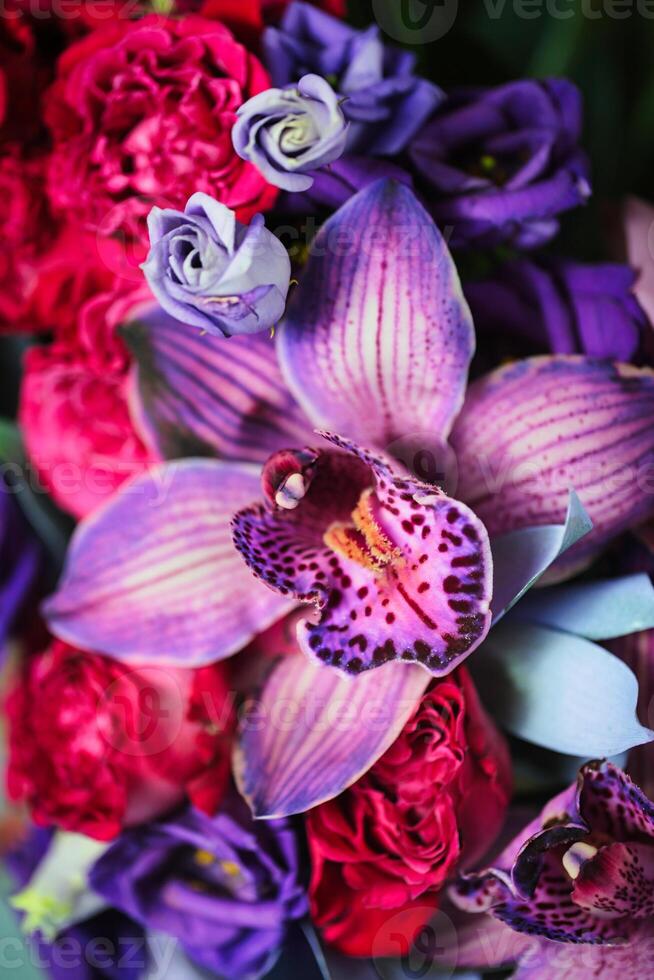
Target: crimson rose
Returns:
[95, 746]
[387, 845]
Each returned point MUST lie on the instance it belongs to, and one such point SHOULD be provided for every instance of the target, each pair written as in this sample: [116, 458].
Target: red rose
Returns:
[73, 400]
[95, 746]
[141, 113]
[386, 846]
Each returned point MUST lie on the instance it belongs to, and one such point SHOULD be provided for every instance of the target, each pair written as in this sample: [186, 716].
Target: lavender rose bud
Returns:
[563, 307]
[500, 164]
[288, 132]
[209, 271]
[226, 886]
[386, 103]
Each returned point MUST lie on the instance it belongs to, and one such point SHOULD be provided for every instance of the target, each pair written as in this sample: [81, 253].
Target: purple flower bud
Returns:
[286, 133]
[208, 270]
[385, 102]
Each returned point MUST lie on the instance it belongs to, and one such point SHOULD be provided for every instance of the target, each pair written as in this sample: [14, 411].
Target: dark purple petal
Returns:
[533, 430]
[225, 886]
[378, 262]
[395, 568]
[316, 732]
[500, 164]
[153, 576]
[561, 307]
[202, 395]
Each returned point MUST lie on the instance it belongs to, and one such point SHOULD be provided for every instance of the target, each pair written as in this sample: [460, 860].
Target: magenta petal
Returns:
[549, 961]
[196, 394]
[420, 588]
[315, 732]
[618, 881]
[378, 337]
[530, 432]
[153, 576]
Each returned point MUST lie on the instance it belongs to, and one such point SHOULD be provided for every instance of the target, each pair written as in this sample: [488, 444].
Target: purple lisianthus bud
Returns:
[288, 132]
[385, 101]
[226, 886]
[562, 307]
[209, 271]
[498, 165]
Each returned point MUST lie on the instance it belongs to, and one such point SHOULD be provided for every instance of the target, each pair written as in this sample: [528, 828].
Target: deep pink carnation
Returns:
[96, 746]
[25, 232]
[73, 403]
[385, 847]
[141, 113]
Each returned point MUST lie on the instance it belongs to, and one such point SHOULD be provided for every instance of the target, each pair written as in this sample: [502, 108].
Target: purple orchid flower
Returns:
[385, 102]
[581, 874]
[500, 164]
[227, 887]
[376, 347]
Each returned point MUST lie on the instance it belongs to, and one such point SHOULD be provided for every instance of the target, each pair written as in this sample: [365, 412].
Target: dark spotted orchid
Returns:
[375, 347]
[383, 565]
[582, 874]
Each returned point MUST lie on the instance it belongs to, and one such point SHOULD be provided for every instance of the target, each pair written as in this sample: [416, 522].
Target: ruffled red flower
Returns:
[141, 113]
[74, 395]
[95, 746]
[385, 847]
[25, 232]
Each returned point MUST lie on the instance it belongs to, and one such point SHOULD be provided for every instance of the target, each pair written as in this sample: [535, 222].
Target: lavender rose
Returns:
[227, 887]
[209, 271]
[288, 132]
[498, 165]
[385, 102]
[559, 306]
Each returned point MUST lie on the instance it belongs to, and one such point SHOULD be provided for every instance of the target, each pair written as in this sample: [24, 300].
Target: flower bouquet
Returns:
[326, 528]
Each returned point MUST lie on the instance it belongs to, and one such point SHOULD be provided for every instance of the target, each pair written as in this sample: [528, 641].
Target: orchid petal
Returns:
[419, 587]
[599, 610]
[153, 575]
[618, 881]
[530, 431]
[316, 732]
[378, 337]
[196, 394]
[559, 691]
[612, 804]
[521, 557]
[547, 960]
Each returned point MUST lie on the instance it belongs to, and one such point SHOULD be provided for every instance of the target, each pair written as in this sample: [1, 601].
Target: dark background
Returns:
[610, 58]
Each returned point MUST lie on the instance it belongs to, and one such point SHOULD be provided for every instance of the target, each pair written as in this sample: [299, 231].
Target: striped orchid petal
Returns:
[153, 576]
[532, 431]
[196, 394]
[315, 732]
[378, 337]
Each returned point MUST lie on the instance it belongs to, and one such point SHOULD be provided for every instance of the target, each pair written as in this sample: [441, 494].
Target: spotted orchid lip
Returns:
[395, 568]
